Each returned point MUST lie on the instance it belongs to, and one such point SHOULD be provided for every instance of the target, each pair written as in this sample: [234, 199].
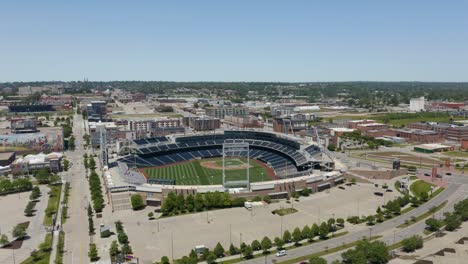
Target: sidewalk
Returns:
[58, 226]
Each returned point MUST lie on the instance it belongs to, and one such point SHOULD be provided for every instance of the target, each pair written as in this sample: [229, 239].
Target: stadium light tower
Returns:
[233, 149]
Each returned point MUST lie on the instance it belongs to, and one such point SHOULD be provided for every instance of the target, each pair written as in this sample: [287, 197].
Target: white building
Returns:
[417, 104]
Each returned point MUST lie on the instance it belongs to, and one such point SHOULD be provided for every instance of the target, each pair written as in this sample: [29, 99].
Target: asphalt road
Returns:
[76, 227]
[456, 191]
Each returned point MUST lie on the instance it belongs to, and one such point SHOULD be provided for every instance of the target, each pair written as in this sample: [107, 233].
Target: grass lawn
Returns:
[60, 248]
[273, 251]
[193, 173]
[456, 154]
[325, 252]
[53, 203]
[423, 216]
[43, 257]
[401, 119]
[436, 192]
[420, 186]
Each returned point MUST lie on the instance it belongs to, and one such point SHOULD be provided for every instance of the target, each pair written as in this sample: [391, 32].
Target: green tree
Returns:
[43, 176]
[137, 202]
[35, 255]
[412, 243]
[211, 258]
[190, 203]
[19, 231]
[317, 260]
[114, 249]
[461, 209]
[66, 164]
[256, 245]
[90, 225]
[286, 236]
[452, 221]
[324, 230]
[4, 240]
[297, 236]
[306, 233]
[233, 250]
[151, 215]
[247, 252]
[315, 230]
[180, 202]
[218, 250]
[424, 196]
[433, 224]
[279, 243]
[370, 219]
[169, 204]
[122, 238]
[266, 244]
[126, 249]
[93, 253]
[340, 222]
[165, 260]
[199, 202]
[367, 252]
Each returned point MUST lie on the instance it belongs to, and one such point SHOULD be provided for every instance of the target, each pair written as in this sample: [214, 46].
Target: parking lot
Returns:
[152, 239]
[13, 206]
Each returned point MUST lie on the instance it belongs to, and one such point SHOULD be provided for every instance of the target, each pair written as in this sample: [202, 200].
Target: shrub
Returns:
[412, 243]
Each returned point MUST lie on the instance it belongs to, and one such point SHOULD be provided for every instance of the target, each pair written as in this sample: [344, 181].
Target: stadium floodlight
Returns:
[236, 149]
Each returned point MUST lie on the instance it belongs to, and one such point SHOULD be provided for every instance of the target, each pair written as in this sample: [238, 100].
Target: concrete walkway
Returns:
[58, 226]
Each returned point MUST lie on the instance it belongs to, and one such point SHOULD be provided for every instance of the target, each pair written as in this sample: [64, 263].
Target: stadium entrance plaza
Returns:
[152, 240]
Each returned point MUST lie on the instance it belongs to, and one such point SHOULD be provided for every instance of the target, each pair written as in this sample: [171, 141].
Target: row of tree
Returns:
[391, 209]
[29, 210]
[177, 203]
[16, 185]
[95, 189]
[115, 253]
[43, 176]
[307, 233]
[452, 221]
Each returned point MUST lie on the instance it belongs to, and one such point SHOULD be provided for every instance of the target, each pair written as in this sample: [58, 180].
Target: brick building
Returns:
[418, 135]
[354, 123]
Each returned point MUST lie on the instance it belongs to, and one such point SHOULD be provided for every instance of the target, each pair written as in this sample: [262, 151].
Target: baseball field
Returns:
[209, 171]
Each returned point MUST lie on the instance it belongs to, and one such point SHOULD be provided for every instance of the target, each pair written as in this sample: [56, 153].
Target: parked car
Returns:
[427, 174]
[341, 187]
[378, 193]
[281, 253]
[389, 190]
[448, 173]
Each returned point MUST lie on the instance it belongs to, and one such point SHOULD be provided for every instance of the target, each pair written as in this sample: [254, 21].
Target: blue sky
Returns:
[250, 40]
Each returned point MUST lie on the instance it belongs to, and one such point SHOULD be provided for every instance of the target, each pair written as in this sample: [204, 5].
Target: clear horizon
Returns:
[241, 41]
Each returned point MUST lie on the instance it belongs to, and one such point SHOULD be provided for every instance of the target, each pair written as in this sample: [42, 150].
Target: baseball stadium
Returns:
[223, 158]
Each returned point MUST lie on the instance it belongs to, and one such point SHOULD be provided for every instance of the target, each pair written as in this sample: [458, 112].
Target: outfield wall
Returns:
[276, 189]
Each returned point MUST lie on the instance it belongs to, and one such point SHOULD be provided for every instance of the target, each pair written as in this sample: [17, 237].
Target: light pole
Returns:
[240, 245]
[370, 233]
[172, 246]
[281, 230]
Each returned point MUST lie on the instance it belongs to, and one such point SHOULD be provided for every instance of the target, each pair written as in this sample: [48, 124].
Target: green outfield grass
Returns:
[193, 173]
